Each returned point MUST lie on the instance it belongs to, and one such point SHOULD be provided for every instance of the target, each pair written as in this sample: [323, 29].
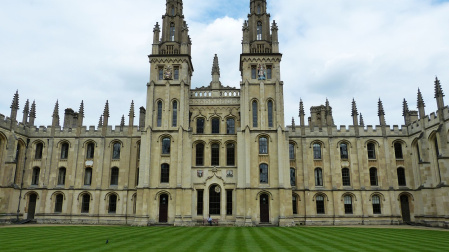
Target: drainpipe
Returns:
[23, 175]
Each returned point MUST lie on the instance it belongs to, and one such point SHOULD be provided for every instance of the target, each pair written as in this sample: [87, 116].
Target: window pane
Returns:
[263, 173]
[64, 151]
[112, 203]
[116, 151]
[159, 114]
[58, 203]
[316, 151]
[343, 151]
[228, 202]
[114, 176]
[398, 151]
[348, 204]
[259, 30]
[255, 114]
[175, 114]
[214, 200]
[215, 157]
[230, 126]
[166, 146]
[215, 126]
[85, 204]
[253, 72]
[373, 176]
[176, 74]
[345, 177]
[200, 154]
[230, 155]
[90, 151]
[291, 151]
[401, 177]
[295, 204]
[199, 203]
[371, 151]
[292, 177]
[263, 145]
[61, 176]
[165, 173]
[319, 204]
[38, 154]
[269, 72]
[318, 177]
[270, 114]
[200, 126]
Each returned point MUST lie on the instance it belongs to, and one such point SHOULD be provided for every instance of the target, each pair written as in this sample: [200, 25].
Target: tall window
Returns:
[371, 151]
[258, 9]
[90, 151]
[59, 199]
[116, 150]
[255, 114]
[295, 204]
[263, 145]
[398, 151]
[401, 177]
[230, 126]
[199, 154]
[269, 72]
[215, 125]
[215, 154]
[137, 176]
[175, 114]
[318, 177]
[199, 202]
[64, 151]
[373, 176]
[214, 199]
[263, 171]
[346, 177]
[417, 153]
[200, 125]
[173, 10]
[172, 32]
[435, 141]
[85, 203]
[376, 205]
[259, 30]
[228, 202]
[159, 113]
[35, 177]
[230, 154]
[61, 176]
[165, 173]
[114, 176]
[348, 204]
[292, 177]
[166, 146]
[39, 148]
[112, 203]
[319, 204]
[176, 73]
[343, 151]
[88, 176]
[161, 73]
[270, 113]
[253, 72]
[291, 151]
[316, 151]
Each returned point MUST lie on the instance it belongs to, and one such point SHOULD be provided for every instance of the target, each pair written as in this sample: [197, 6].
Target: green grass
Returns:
[93, 238]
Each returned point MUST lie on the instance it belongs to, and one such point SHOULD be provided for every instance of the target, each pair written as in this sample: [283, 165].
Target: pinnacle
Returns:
[33, 110]
[215, 66]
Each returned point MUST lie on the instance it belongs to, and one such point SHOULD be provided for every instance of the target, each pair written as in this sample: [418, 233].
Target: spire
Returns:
[131, 117]
[362, 123]
[421, 105]
[106, 114]
[81, 114]
[293, 124]
[15, 106]
[131, 110]
[354, 113]
[215, 84]
[439, 94]
[26, 111]
[32, 114]
[122, 123]
[215, 66]
[56, 114]
[100, 122]
[381, 113]
[405, 112]
[301, 113]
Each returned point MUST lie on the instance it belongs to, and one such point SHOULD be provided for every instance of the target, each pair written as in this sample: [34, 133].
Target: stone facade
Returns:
[224, 152]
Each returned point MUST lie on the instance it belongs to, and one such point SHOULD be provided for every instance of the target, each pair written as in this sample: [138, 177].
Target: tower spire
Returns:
[362, 123]
[215, 84]
[405, 112]
[439, 94]
[32, 114]
[421, 105]
[354, 113]
[381, 113]
[81, 114]
[26, 111]
[14, 106]
[56, 115]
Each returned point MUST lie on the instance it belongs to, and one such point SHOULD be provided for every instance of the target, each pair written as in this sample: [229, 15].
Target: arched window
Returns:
[159, 113]
[200, 125]
[263, 171]
[401, 177]
[215, 125]
[35, 177]
[417, 153]
[270, 113]
[398, 151]
[214, 199]
[319, 204]
[88, 176]
[258, 9]
[64, 151]
[371, 151]
[230, 154]
[137, 176]
[348, 204]
[172, 31]
[259, 30]
[175, 114]
[85, 203]
[173, 10]
[112, 208]
[165, 173]
[318, 177]
[230, 126]
[295, 204]
[346, 177]
[376, 205]
[435, 141]
[199, 154]
[373, 176]
[343, 151]
[116, 151]
[215, 154]
[90, 151]
[166, 146]
[114, 176]
[263, 145]
[59, 199]
[255, 114]
[292, 177]
[316, 151]
[291, 151]
[61, 176]
[39, 148]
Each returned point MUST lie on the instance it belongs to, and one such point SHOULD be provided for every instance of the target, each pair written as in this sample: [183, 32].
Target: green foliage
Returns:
[124, 238]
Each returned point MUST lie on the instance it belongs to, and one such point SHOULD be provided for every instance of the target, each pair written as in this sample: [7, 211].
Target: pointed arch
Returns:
[115, 141]
[320, 194]
[88, 141]
[343, 141]
[27, 194]
[158, 194]
[56, 193]
[84, 192]
[317, 142]
[111, 193]
[348, 194]
[63, 141]
[264, 192]
[38, 141]
[380, 195]
[406, 194]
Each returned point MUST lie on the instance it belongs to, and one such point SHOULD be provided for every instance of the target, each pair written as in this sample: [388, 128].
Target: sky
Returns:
[94, 51]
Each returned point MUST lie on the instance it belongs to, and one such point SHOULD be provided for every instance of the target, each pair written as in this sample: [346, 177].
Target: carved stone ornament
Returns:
[217, 189]
[262, 72]
[199, 173]
[168, 73]
[230, 173]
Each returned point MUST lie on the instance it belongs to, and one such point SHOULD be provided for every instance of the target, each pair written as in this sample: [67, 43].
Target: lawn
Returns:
[93, 238]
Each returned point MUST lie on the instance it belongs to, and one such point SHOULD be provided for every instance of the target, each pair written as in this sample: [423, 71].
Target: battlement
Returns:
[349, 131]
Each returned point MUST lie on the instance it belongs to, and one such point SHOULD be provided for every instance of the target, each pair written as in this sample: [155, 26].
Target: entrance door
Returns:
[264, 209]
[32, 206]
[405, 208]
[163, 208]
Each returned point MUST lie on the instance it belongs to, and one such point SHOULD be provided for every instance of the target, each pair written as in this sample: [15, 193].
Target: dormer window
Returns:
[259, 30]
[172, 32]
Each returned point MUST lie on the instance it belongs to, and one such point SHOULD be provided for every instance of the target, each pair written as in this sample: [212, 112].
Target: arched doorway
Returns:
[31, 206]
[163, 208]
[405, 208]
[264, 209]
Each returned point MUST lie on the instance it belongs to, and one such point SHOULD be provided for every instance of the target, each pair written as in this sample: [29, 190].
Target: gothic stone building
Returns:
[224, 152]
